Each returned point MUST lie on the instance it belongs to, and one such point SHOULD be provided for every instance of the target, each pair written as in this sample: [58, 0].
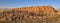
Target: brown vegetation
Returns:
[35, 14]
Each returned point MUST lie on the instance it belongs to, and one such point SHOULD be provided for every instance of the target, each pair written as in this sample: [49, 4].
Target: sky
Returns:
[24, 3]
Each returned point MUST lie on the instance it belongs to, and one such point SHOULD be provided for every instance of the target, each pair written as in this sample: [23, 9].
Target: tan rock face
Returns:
[39, 9]
[28, 13]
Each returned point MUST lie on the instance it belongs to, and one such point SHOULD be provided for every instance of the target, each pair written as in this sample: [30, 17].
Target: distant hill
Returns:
[37, 9]
[27, 14]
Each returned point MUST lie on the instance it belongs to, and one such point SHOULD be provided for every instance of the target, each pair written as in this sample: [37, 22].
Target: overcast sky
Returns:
[23, 3]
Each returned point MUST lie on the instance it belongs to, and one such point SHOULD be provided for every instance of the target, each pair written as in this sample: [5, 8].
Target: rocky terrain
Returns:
[33, 14]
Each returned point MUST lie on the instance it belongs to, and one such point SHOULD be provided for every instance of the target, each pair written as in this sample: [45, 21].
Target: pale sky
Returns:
[23, 3]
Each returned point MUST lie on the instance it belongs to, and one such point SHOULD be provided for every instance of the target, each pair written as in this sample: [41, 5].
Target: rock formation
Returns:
[27, 13]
